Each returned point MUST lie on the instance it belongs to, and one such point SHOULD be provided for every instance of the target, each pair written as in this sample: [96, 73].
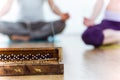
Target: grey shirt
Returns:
[31, 10]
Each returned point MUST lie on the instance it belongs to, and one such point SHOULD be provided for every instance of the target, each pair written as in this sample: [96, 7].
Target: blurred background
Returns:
[78, 9]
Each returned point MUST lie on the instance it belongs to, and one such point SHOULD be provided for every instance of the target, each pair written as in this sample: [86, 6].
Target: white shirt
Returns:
[31, 10]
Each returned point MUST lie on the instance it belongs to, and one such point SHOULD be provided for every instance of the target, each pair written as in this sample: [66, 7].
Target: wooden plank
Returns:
[24, 70]
[41, 77]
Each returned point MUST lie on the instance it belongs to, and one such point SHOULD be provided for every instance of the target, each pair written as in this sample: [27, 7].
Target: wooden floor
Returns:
[48, 77]
[81, 62]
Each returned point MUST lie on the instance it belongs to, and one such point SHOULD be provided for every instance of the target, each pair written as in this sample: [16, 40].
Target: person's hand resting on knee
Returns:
[88, 22]
[65, 16]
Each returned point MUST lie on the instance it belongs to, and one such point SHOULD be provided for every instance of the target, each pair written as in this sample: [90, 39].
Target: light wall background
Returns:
[78, 9]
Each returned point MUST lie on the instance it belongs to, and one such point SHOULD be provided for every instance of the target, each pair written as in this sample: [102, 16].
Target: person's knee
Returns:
[59, 26]
[86, 37]
[62, 27]
[93, 37]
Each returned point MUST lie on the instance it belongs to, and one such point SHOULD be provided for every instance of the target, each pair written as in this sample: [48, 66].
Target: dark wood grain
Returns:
[23, 70]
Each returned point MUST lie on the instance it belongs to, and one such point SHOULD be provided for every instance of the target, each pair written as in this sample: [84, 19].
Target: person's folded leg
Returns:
[10, 28]
[93, 36]
[42, 30]
[49, 29]
[107, 32]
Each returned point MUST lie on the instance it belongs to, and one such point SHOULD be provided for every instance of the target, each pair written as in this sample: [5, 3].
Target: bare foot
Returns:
[22, 38]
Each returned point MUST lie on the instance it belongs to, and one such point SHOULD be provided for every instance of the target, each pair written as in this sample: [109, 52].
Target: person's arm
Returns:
[97, 9]
[6, 7]
[56, 10]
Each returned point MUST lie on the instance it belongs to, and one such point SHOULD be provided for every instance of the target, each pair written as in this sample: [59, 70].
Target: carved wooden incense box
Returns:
[30, 61]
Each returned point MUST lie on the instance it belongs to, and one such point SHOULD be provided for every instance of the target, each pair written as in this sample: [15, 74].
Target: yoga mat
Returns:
[110, 46]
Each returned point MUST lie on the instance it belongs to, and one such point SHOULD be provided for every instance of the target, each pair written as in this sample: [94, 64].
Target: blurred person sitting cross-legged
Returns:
[108, 31]
[31, 25]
